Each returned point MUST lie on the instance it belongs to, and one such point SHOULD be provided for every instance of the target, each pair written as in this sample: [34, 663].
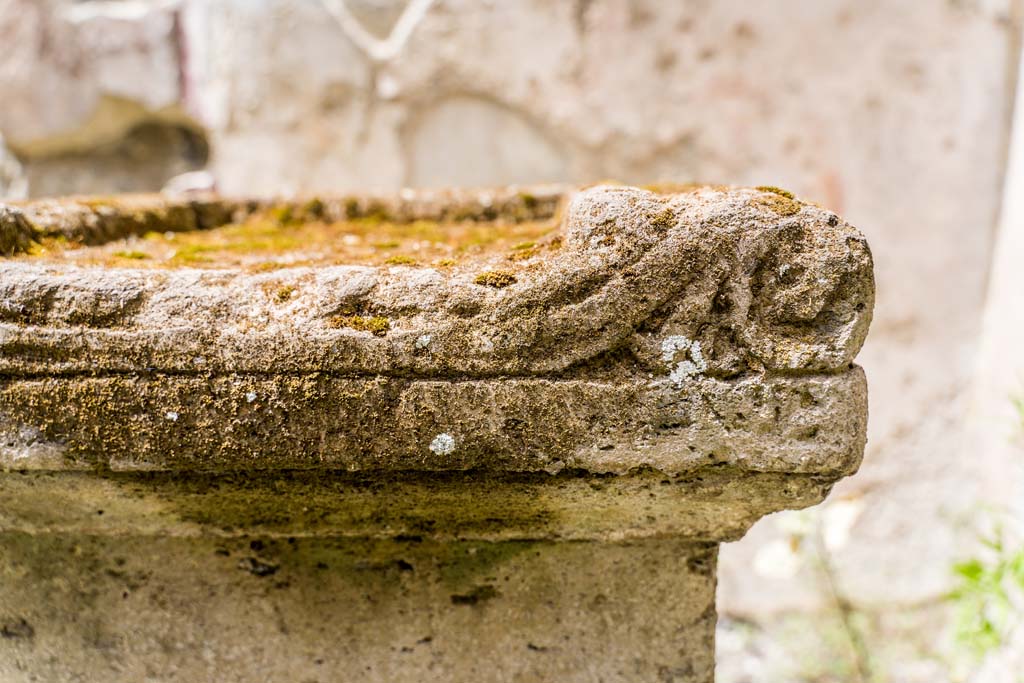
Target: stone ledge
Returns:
[673, 336]
[260, 422]
[713, 504]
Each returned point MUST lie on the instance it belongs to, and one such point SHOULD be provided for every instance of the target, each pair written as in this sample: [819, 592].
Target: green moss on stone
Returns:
[314, 209]
[664, 219]
[134, 255]
[376, 325]
[283, 214]
[284, 293]
[776, 190]
[529, 200]
[495, 278]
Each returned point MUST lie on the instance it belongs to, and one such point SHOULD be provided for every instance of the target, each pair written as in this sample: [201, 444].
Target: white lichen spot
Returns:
[673, 345]
[684, 357]
[251, 396]
[443, 444]
[423, 341]
[172, 416]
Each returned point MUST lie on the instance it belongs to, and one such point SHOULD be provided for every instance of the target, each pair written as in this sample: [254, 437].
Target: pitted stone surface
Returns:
[670, 331]
[760, 290]
[534, 454]
[355, 610]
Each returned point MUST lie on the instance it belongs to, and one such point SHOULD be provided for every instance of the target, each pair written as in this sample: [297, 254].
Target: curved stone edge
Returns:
[806, 425]
[756, 288]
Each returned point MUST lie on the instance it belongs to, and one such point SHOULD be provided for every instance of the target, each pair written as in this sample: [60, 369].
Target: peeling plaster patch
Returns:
[172, 416]
[675, 345]
[443, 444]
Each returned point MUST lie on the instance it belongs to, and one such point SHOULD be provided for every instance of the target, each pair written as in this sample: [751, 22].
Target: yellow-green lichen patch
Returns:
[400, 260]
[132, 255]
[524, 251]
[776, 190]
[283, 215]
[45, 247]
[664, 219]
[313, 209]
[529, 200]
[284, 293]
[284, 236]
[782, 202]
[524, 255]
[376, 325]
[495, 278]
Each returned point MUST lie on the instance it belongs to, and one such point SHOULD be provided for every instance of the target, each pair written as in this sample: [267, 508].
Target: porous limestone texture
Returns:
[102, 608]
[663, 370]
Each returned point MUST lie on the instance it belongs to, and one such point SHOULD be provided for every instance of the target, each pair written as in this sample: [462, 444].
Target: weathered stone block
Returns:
[584, 416]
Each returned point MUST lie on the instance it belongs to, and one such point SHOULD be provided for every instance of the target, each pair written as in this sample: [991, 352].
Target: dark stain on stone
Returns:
[18, 628]
[475, 596]
[257, 567]
[410, 538]
[702, 562]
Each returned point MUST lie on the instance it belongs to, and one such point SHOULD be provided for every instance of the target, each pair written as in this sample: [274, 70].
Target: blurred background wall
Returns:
[896, 113]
